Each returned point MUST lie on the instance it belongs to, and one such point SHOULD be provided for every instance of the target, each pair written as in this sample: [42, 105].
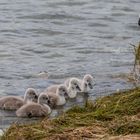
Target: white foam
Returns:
[1, 132]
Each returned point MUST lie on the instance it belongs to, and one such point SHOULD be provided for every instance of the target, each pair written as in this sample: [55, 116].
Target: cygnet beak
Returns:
[49, 101]
[66, 95]
[90, 85]
[78, 88]
[29, 115]
[36, 97]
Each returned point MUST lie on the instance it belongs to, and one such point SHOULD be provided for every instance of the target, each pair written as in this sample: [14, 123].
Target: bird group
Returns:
[39, 105]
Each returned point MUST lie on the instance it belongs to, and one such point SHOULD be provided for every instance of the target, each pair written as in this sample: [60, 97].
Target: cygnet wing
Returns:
[32, 110]
[11, 102]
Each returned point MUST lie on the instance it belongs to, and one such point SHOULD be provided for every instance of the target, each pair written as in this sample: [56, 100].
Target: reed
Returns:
[136, 68]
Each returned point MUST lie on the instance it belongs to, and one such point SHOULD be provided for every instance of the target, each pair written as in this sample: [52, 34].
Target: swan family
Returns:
[39, 105]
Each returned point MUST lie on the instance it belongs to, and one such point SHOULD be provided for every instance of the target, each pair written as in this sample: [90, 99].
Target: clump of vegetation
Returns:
[136, 69]
[134, 75]
[137, 54]
[117, 114]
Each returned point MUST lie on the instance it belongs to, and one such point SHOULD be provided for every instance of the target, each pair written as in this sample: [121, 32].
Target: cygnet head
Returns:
[31, 95]
[43, 98]
[75, 85]
[88, 80]
[62, 91]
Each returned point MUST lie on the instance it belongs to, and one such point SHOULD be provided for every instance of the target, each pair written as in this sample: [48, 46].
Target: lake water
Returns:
[65, 38]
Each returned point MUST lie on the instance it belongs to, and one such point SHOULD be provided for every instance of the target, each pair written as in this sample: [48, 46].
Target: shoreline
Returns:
[109, 117]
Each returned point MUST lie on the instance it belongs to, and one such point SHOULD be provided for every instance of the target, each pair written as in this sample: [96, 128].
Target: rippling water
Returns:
[66, 38]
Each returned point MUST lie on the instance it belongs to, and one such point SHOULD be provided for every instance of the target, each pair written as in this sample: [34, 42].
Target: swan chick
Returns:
[15, 102]
[81, 85]
[87, 83]
[39, 109]
[73, 86]
[58, 94]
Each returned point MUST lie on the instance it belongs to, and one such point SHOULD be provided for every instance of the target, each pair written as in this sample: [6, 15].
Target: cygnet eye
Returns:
[45, 98]
[63, 90]
[73, 88]
[32, 93]
[75, 84]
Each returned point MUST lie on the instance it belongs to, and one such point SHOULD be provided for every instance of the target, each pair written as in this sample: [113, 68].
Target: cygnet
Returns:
[15, 102]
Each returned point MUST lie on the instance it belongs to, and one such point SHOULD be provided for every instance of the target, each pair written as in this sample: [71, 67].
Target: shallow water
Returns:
[66, 38]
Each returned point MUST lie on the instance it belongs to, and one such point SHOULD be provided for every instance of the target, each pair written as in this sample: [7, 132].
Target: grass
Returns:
[136, 53]
[116, 114]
